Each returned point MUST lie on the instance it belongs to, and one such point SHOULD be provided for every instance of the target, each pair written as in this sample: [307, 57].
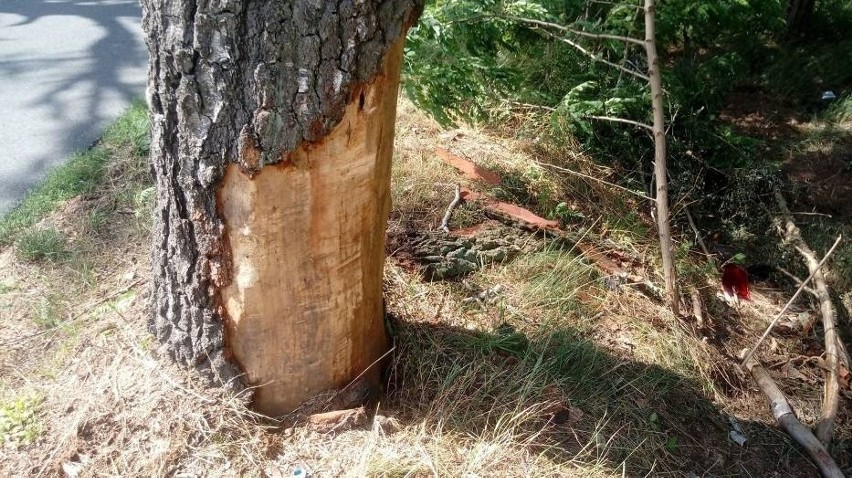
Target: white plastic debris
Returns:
[737, 437]
[737, 434]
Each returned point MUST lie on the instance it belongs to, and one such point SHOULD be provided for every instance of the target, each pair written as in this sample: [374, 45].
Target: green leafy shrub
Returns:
[475, 60]
[18, 420]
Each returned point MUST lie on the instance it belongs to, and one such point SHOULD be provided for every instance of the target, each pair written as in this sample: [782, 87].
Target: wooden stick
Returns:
[831, 392]
[785, 417]
[789, 303]
[445, 223]
[697, 307]
[796, 280]
[698, 237]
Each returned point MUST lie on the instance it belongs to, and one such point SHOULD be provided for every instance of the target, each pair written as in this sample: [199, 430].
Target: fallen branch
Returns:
[338, 420]
[785, 417]
[697, 307]
[831, 392]
[445, 223]
[789, 303]
[796, 280]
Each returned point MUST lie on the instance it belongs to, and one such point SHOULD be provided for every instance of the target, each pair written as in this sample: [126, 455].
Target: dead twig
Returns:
[697, 307]
[795, 279]
[698, 237]
[587, 176]
[638, 124]
[785, 417]
[831, 391]
[445, 223]
[588, 53]
[579, 33]
[79, 316]
[788, 304]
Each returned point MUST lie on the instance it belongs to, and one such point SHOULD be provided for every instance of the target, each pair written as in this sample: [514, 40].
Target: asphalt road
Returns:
[67, 70]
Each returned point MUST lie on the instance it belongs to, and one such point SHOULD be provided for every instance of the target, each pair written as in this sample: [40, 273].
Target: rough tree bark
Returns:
[660, 170]
[799, 13]
[272, 134]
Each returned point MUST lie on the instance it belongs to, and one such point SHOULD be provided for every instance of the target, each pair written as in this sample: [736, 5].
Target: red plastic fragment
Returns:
[735, 282]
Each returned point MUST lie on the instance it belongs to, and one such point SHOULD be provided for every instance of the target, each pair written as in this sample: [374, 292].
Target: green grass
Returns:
[550, 280]
[488, 386]
[131, 128]
[97, 219]
[48, 315]
[18, 420]
[80, 175]
[41, 244]
[841, 109]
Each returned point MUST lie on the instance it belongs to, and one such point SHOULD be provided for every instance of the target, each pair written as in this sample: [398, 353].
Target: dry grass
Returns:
[556, 374]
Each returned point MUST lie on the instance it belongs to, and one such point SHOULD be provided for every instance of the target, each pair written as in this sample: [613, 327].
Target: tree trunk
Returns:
[662, 196]
[799, 14]
[272, 136]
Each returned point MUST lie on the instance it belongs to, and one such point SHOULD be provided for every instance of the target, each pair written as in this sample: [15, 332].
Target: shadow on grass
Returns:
[571, 401]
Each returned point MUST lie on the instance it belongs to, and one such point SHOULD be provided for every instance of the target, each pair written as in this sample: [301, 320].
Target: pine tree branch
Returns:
[579, 33]
[590, 54]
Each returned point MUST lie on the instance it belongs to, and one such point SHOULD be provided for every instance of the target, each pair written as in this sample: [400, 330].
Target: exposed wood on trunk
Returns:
[791, 234]
[272, 127]
[662, 193]
[785, 417]
[319, 216]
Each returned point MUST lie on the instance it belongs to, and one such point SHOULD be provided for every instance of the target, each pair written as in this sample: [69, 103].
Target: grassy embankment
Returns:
[558, 372]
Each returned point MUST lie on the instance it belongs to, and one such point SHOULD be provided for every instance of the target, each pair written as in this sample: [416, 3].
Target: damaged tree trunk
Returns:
[272, 135]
